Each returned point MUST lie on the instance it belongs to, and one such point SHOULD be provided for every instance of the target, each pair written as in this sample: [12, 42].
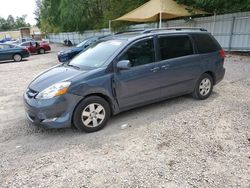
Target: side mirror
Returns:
[123, 65]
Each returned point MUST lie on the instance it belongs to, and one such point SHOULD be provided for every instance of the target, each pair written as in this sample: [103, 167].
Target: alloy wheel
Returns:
[93, 115]
[205, 86]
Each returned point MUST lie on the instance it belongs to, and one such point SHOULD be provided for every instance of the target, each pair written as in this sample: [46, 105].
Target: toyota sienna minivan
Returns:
[125, 71]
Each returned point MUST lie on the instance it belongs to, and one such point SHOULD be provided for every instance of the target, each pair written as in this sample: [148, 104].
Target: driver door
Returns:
[139, 84]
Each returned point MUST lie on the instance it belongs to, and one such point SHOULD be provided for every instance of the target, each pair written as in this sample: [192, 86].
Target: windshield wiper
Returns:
[74, 66]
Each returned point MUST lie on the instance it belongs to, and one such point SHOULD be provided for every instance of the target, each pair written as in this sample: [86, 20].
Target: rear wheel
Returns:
[41, 51]
[17, 57]
[92, 114]
[204, 87]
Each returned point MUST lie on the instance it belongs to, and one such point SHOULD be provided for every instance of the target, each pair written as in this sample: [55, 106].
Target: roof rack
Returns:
[130, 31]
[173, 28]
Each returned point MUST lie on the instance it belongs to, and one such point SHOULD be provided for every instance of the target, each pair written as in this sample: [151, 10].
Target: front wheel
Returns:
[92, 114]
[204, 87]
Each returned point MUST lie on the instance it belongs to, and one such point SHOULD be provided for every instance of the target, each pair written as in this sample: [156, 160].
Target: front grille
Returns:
[31, 93]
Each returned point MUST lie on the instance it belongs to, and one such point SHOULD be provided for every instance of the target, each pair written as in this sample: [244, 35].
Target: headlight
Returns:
[54, 90]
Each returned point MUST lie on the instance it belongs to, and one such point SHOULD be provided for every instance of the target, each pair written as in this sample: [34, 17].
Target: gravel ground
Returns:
[180, 142]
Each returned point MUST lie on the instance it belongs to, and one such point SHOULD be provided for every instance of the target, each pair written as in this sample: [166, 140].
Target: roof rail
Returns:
[173, 28]
[130, 31]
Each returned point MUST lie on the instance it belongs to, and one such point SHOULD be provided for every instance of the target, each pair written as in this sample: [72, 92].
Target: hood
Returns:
[76, 49]
[54, 75]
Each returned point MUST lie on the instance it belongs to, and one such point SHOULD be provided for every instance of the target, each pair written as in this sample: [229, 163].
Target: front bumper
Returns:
[52, 113]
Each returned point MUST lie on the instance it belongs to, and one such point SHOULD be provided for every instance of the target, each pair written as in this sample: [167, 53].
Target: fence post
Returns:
[231, 34]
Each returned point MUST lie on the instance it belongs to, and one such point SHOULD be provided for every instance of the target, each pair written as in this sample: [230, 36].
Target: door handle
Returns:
[165, 67]
[155, 69]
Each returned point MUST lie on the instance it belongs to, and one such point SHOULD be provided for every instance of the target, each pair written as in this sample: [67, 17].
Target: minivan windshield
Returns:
[97, 54]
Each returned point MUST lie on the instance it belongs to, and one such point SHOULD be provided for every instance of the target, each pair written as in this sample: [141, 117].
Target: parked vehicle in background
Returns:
[21, 40]
[67, 55]
[122, 72]
[35, 47]
[12, 52]
[4, 40]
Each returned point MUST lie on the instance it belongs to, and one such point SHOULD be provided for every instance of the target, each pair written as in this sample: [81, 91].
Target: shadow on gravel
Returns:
[140, 116]
[11, 61]
[46, 139]
[36, 54]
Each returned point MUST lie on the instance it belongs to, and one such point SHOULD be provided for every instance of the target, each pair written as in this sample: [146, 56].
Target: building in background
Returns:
[24, 32]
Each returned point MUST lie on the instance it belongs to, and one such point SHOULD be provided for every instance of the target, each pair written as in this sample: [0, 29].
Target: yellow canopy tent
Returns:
[155, 10]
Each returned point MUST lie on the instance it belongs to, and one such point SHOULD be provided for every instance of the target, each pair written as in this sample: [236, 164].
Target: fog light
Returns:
[49, 120]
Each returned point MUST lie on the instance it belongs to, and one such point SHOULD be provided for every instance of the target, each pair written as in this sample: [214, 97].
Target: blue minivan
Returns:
[125, 71]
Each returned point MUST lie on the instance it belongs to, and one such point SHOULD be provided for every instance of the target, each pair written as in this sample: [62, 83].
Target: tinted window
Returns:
[140, 53]
[175, 46]
[205, 43]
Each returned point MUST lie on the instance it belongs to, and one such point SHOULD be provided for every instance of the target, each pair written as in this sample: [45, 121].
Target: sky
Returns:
[18, 8]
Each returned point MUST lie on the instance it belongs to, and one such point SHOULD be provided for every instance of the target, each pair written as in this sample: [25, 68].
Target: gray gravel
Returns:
[180, 142]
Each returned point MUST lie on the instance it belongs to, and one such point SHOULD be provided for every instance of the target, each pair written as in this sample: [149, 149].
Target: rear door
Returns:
[179, 64]
[6, 52]
[33, 47]
[139, 84]
[2, 55]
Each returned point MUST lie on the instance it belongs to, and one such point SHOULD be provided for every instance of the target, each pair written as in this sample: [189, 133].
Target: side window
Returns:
[6, 47]
[1, 47]
[205, 43]
[140, 53]
[175, 46]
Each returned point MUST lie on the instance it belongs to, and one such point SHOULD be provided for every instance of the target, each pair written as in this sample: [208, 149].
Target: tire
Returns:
[204, 87]
[41, 51]
[92, 114]
[17, 57]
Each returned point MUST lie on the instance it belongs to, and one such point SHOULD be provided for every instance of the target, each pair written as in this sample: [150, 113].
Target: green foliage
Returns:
[81, 15]
[218, 6]
[12, 23]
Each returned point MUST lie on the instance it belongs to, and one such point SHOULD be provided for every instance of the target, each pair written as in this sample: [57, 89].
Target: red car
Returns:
[35, 47]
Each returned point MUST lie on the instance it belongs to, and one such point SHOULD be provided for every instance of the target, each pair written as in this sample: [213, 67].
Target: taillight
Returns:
[222, 53]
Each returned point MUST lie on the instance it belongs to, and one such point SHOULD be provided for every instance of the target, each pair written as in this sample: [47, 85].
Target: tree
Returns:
[13, 23]
[219, 6]
[65, 16]
[37, 12]
[20, 22]
[80, 15]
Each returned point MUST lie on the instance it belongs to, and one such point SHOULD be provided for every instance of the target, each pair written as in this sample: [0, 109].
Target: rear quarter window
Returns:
[205, 43]
[175, 46]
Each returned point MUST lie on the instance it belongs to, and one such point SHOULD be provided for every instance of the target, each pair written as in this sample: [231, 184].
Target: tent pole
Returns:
[110, 26]
[160, 21]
